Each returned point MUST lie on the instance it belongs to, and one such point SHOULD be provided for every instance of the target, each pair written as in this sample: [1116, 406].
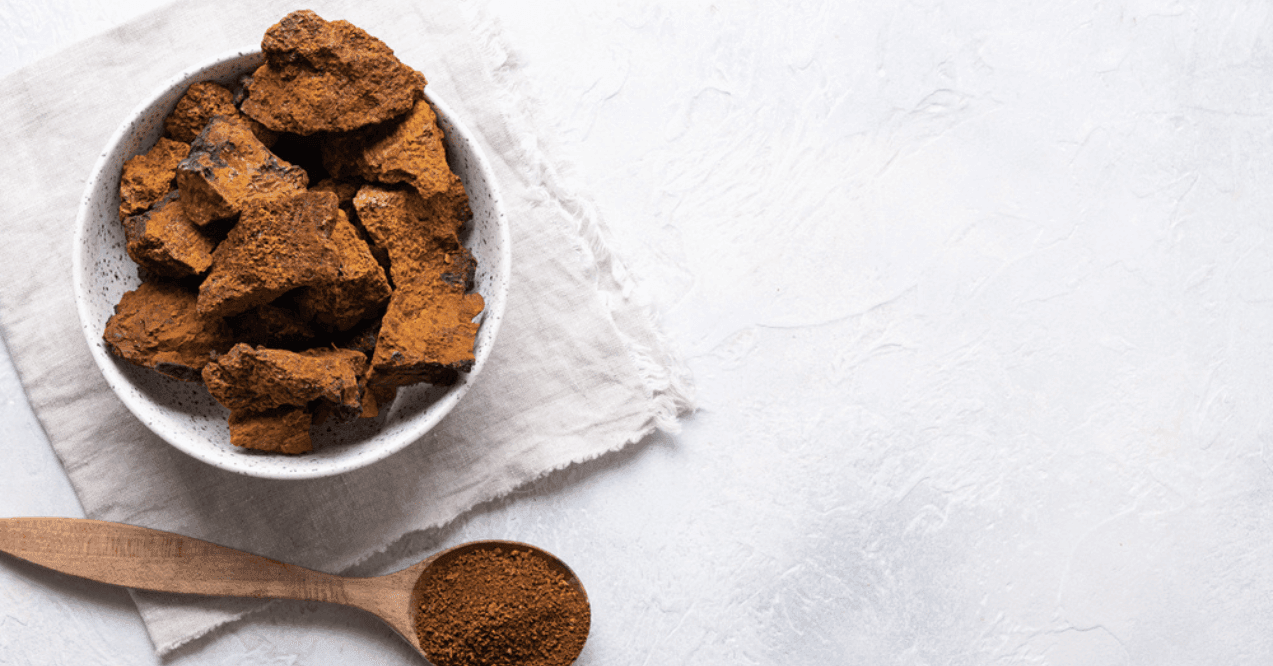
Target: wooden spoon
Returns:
[148, 559]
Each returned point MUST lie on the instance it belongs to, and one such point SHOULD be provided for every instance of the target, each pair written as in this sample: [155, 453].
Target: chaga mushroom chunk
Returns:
[427, 333]
[201, 102]
[229, 169]
[157, 326]
[149, 177]
[260, 378]
[165, 242]
[359, 289]
[408, 150]
[278, 430]
[322, 76]
[196, 107]
[277, 246]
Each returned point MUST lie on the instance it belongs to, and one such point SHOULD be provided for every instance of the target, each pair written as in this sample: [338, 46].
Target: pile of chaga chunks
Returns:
[297, 236]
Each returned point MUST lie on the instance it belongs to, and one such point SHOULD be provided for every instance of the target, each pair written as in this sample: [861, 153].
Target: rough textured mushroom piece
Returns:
[248, 378]
[229, 169]
[278, 430]
[277, 246]
[322, 76]
[149, 177]
[359, 289]
[408, 150]
[201, 102]
[165, 242]
[157, 326]
[428, 331]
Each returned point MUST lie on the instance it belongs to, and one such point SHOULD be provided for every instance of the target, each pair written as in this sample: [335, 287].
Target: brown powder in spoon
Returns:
[498, 607]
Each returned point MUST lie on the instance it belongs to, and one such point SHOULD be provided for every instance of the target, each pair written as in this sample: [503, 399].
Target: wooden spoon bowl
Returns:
[147, 559]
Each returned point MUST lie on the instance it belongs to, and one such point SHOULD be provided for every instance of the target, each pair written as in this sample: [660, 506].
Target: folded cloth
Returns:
[578, 369]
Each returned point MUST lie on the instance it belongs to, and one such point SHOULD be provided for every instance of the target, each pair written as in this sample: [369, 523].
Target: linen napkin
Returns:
[578, 369]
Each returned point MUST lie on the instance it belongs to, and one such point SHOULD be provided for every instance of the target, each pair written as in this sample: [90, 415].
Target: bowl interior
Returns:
[184, 414]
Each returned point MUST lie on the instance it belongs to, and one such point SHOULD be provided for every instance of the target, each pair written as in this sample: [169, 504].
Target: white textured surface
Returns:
[978, 298]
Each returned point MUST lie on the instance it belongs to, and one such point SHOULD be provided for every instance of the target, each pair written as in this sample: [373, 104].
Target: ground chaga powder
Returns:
[500, 606]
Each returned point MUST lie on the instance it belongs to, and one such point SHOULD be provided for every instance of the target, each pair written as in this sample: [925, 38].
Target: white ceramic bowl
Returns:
[185, 414]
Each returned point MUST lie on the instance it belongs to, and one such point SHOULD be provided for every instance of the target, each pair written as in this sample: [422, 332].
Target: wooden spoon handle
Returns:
[149, 559]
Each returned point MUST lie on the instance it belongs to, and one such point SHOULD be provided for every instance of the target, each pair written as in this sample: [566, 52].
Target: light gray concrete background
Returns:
[978, 299]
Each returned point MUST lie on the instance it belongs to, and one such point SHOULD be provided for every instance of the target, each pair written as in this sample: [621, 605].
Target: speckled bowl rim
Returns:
[281, 466]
